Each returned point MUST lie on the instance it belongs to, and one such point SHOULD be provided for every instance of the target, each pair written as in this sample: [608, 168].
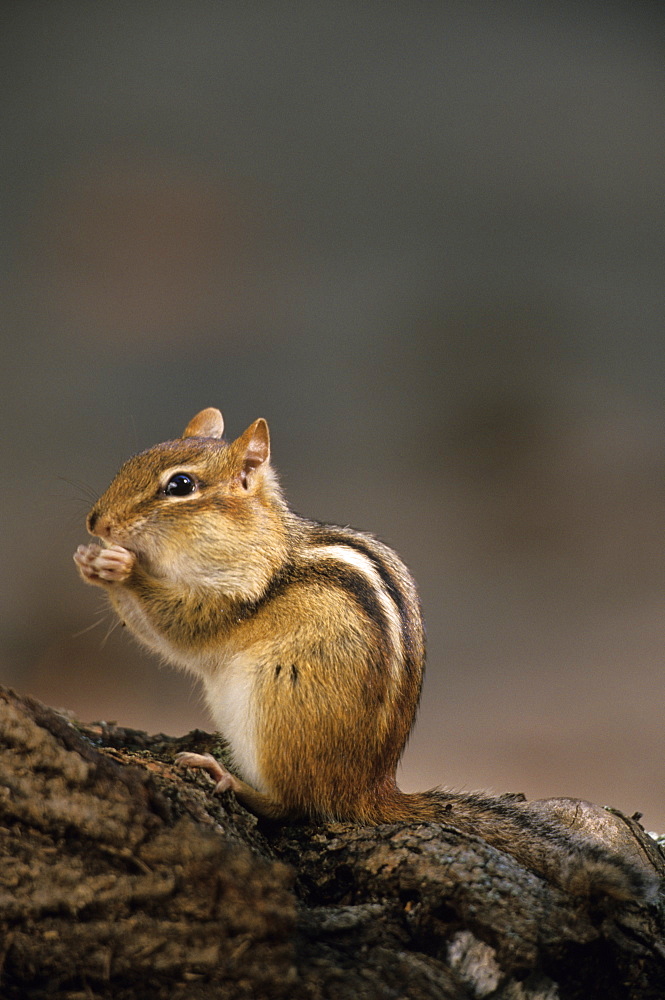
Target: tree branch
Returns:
[122, 877]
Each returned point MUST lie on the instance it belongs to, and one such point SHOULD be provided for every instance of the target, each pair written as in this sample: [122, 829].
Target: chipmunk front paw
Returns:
[111, 565]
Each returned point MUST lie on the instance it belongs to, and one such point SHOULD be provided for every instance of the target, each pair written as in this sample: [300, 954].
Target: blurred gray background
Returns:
[426, 242]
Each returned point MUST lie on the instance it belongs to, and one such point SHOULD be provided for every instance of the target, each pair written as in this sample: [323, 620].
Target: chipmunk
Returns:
[308, 639]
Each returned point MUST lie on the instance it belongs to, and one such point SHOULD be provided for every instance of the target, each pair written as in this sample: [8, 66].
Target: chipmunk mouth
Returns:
[111, 540]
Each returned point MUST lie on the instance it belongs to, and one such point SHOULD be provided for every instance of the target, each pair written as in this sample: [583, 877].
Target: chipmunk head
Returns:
[197, 499]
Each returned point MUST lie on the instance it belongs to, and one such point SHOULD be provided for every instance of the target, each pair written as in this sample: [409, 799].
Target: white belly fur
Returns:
[228, 682]
[230, 695]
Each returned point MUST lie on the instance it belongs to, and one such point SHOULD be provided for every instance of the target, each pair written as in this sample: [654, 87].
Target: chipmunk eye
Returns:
[180, 485]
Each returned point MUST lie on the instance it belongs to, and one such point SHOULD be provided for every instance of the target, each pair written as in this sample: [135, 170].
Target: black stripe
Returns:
[327, 535]
[353, 582]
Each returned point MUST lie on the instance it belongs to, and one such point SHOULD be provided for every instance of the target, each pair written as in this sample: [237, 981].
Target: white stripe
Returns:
[359, 561]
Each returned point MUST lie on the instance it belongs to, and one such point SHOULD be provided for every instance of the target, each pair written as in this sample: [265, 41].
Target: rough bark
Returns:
[122, 877]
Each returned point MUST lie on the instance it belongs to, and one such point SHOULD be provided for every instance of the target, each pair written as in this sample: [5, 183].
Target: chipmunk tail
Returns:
[595, 874]
[391, 805]
[576, 861]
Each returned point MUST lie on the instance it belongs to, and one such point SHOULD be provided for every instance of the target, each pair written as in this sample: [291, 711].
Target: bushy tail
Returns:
[574, 859]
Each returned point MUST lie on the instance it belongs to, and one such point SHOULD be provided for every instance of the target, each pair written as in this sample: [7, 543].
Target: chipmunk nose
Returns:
[98, 524]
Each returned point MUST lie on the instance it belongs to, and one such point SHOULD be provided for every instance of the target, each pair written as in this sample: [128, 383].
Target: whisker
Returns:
[113, 626]
[76, 518]
[89, 628]
[82, 487]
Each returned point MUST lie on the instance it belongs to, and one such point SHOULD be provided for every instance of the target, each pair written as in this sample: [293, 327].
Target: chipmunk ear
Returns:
[254, 448]
[208, 423]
